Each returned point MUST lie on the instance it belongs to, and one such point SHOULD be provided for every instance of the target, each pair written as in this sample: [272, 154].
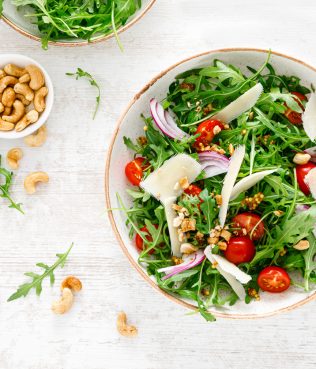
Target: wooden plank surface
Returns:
[71, 207]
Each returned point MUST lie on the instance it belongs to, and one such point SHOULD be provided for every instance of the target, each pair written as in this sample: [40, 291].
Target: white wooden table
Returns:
[72, 207]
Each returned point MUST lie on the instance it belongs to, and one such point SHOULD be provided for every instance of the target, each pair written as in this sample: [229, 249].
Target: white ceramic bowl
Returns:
[15, 19]
[131, 125]
[22, 61]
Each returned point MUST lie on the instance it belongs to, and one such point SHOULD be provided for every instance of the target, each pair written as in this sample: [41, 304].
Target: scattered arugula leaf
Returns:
[37, 279]
[82, 74]
[5, 188]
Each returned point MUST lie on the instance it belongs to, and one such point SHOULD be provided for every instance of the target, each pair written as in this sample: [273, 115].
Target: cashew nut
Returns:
[30, 117]
[1, 107]
[25, 78]
[7, 110]
[2, 73]
[14, 70]
[65, 303]
[301, 245]
[32, 179]
[7, 81]
[301, 158]
[36, 139]
[22, 99]
[123, 328]
[72, 283]
[8, 97]
[6, 126]
[39, 99]
[13, 157]
[17, 114]
[25, 90]
[37, 77]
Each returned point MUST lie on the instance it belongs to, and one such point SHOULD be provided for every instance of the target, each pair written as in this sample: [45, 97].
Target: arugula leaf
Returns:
[296, 228]
[222, 72]
[275, 94]
[5, 188]
[209, 210]
[37, 279]
[129, 144]
[82, 74]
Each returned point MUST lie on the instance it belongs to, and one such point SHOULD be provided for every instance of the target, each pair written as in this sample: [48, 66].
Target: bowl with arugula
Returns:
[211, 183]
[72, 23]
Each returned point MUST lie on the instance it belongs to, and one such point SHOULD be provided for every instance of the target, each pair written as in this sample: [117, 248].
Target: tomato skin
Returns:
[274, 279]
[206, 130]
[134, 170]
[248, 221]
[293, 116]
[240, 250]
[301, 172]
[193, 190]
[139, 241]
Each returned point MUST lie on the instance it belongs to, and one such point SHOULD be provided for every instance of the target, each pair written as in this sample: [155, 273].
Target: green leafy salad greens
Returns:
[271, 142]
[84, 19]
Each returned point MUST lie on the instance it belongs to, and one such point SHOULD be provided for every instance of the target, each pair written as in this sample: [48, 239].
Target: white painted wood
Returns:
[71, 207]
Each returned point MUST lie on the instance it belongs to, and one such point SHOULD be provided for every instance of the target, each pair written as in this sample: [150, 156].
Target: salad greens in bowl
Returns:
[211, 183]
[72, 22]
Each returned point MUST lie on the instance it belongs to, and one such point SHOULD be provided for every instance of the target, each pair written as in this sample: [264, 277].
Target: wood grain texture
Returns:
[72, 208]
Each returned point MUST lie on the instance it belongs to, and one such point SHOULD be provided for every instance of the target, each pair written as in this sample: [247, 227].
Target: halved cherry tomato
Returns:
[301, 172]
[240, 250]
[293, 116]
[274, 279]
[139, 241]
[206, 130]
[248, 221]
[193, 190]
[134, 170]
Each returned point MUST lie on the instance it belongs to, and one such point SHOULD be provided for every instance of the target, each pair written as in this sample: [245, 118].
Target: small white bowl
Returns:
[130, 125]
[22, 61]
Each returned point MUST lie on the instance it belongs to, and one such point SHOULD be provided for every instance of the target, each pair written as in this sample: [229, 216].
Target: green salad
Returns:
[59, 19]
[224, 185]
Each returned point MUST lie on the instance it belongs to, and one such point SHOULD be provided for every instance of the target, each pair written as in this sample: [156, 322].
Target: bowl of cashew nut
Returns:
[26, 96]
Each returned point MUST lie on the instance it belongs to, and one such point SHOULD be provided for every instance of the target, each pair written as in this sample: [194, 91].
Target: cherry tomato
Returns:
[293, 116]
[240, 250]
[206, 130]
[139, 241]
[274, 279]
[134, 170]
[249, 221]
[193, 190]
[301, 171]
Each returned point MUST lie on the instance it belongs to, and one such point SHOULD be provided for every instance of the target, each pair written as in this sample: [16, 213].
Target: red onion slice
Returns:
[192, 261]
[165, 122]
[213, 163]
[312, 152]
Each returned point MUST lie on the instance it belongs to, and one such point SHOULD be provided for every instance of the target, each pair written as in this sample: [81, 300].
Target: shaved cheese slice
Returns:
[231, 269]
[249, 181]
[173, 231]
[164, 185]
[310, 180]
[233, 275]
[309, 117]
[243, 103]
[229, 181]
[164, 182]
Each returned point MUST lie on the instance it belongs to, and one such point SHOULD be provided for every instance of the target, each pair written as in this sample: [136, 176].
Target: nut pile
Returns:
[22, 96]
